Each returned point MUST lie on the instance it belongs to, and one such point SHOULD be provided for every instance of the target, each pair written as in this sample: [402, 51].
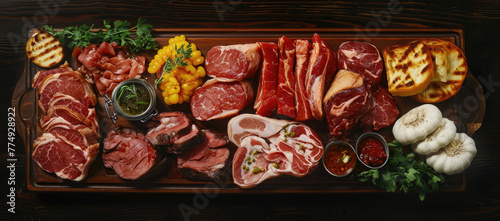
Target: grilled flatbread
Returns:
[409, 68]
[456, 71]
[44, 49]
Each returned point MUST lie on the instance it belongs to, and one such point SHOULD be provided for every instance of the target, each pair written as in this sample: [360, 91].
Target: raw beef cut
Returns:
[233, 62]
[207, 160]
[383, 111]
[128, 153]
[41, 75]
[62, 157]
[362, 58]
[72, 117]
[322, 67]
[265, 102]
[302, 48]
[345, 102]
[286, 77]
[268, 148]
[69, 83]
[216, 100]
[174, 131]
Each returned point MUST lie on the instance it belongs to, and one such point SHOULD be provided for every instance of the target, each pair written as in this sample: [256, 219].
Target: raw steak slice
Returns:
[383, 111]
[216, 100]
[286, 77]
[81, 136]
[66, 160]
[174, 131]
[127, 152]
[302, 48]
[72, 117]
[269, 148]
[345, 102]
[69, 83]
[362, 58]
[265, 102]
[233, 62]
[322, 67]
[41, 75]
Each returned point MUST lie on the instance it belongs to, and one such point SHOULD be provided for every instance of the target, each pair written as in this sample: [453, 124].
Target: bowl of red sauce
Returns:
[339, 158]
[372, 150]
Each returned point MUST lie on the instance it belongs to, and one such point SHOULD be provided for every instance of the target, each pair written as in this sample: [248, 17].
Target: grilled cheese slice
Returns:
[409, 68]
[44, 49]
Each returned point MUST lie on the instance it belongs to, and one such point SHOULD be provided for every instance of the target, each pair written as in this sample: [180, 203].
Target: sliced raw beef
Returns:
[362, 58]
[322, 67]
[72, 117]
[41, 75]
[286, 77]
[66, 159]
[69, 83]
[383, 111]
[268, 148]
[345, 102]
[128, 153]
[233, 62]
[174, 131]
[207, 160]
[302, 48]
[216, 100]
[265, 102]
[79, 135]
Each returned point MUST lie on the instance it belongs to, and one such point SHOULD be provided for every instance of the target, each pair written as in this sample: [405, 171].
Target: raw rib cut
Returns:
[233, 62]
[286, 77]
[302, 48]
[265, 102]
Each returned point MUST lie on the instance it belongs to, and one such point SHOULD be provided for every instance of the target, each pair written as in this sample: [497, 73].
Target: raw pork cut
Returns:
[128, 153]
[362, 58]
[268, 148]
[216, 100]
[265, 102]
[383, 111]
[345, 102]
[302, 48]
[286, 77]
[207, 160]
[233, 62]
[322, 67]
[174, 131]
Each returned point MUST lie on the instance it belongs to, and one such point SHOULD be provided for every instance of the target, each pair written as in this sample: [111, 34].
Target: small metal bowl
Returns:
[339, 143]
[378, 137]
[143, 117]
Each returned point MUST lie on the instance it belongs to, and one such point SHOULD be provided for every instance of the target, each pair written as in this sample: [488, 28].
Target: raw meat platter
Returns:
[102, 179]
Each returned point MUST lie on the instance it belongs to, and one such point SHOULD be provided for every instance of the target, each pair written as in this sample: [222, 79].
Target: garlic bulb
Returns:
[417, 124]
[455, 157]
[439, 138]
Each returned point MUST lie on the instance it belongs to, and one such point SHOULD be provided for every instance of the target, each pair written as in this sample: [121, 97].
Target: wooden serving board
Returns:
[466, 109]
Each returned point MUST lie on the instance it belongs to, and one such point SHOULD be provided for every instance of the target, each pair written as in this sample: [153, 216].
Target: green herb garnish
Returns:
[119, 32]
[178, 61]
[404, 173]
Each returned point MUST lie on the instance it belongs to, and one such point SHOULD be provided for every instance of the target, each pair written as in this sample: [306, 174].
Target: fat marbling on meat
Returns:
[265, 101]
[233, 62]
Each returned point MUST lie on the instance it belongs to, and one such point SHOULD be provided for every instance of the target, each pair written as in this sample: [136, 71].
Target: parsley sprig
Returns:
[136, 38]
[404, 173]
[170, 64]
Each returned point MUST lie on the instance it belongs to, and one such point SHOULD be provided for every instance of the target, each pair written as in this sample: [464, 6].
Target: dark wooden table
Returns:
[480, 21]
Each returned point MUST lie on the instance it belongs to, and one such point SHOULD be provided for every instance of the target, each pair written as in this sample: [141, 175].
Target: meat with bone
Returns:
[268, 148]
[286, 78]
[174, 131]
[364, 59]
[207, 160]
[128, 153]
[216, 100]
[345, 102]
[322, 67]
[68, 145]
[233, 62]
[265, 102]
[383, 111]
[302, 48]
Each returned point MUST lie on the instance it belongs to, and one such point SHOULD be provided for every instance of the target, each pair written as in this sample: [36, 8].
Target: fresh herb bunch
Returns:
[119, 32]
[182, 53]
[404, 173]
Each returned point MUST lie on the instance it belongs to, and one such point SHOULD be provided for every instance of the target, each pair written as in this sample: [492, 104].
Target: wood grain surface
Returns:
[479, 20]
